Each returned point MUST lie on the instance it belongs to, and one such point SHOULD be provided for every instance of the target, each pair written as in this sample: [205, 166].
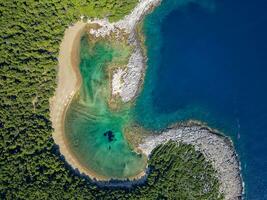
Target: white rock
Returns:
[117, 81]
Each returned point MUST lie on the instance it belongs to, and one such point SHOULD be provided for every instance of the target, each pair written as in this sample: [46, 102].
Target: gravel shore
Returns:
[215, 147]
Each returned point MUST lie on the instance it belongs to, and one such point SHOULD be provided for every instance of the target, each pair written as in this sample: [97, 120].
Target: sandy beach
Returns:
[68, 83]
[68, 77]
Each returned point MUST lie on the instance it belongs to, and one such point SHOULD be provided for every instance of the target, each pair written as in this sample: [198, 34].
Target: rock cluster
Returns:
[133, 75]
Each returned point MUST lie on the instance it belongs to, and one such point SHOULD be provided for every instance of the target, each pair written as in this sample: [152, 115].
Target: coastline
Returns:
[68, 77]
[68, 83]
[216, 148]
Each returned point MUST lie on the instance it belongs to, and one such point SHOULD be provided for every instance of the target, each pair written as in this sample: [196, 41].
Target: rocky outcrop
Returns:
[128, 23]
[133, 75]
[215, 147]
[126, 82]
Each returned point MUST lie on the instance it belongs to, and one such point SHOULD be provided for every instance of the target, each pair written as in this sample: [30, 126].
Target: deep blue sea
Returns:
[207, 60]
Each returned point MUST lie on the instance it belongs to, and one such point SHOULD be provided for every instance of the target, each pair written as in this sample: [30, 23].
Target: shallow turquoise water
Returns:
[94, 132]
[206, 61]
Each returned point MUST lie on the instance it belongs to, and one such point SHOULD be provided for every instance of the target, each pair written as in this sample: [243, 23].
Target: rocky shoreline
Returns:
[216, 148]
[126, 82]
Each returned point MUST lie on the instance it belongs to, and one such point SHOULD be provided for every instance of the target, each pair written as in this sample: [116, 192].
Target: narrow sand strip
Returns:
[68, 77]
[68, 82]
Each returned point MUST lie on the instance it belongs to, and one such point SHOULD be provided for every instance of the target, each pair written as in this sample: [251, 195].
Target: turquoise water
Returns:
[93, 130]
[207, 60]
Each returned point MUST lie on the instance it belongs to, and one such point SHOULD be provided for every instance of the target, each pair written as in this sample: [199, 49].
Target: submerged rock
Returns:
[109, 134]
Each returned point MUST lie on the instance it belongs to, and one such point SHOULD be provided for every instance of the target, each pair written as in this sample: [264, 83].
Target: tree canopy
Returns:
[30, 165]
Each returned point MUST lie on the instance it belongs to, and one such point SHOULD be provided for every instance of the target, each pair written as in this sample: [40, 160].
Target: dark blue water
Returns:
[208, 61]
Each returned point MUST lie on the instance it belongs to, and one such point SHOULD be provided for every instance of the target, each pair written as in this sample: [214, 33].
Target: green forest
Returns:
[31, 166]
[112, 9]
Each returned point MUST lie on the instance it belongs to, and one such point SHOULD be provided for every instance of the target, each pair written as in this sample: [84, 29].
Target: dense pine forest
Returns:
[31, 166]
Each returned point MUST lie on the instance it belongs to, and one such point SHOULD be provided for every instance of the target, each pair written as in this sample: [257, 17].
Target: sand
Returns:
[68, 82]
[68, 77]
